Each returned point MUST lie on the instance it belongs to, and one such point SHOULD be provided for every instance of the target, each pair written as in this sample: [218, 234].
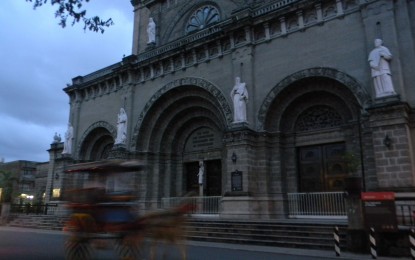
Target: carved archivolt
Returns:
[362, 97]
[100, 124]
[198, 82]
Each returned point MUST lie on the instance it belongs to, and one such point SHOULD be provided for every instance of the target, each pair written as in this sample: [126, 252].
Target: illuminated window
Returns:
[202, 18]
[56, 193]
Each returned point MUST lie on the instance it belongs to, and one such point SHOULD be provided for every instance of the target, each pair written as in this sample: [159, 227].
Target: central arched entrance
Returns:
[205, 144]
[183, 125]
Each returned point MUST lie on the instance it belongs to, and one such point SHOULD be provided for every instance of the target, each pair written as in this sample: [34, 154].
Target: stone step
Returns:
[256, 229]
[252, 233]
[38, 221]
[281, 234]
[317, 236]
[291, 244]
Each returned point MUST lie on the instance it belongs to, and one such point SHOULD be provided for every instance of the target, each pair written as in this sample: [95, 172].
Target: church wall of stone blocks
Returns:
[274, 97]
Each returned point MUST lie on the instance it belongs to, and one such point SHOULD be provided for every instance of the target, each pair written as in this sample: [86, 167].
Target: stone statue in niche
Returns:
[67, 145]
[151, 31]
[121, 127]
[379, 59]
[201, 172]
[239, 96]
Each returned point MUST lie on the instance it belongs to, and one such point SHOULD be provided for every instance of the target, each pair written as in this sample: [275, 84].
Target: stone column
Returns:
[55, 184]
[55, 152]
[243, 152]
[141, 16]
[393, 145]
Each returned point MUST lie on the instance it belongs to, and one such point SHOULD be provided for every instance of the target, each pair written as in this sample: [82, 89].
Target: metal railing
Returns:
[405, 214]
[203, 205]
[405, 209]
[40, 209]
[317, 205]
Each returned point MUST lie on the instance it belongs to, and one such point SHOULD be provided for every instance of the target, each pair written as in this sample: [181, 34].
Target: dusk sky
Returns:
[39, 58]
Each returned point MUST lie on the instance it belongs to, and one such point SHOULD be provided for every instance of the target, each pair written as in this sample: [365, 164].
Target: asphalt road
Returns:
[29, 244]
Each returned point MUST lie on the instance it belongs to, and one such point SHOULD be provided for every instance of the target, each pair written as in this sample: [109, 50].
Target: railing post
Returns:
[317, 204]
[336, 241]
[412, 242]
[372, 239]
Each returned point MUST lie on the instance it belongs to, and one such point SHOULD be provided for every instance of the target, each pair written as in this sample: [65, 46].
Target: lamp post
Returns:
[362, 164]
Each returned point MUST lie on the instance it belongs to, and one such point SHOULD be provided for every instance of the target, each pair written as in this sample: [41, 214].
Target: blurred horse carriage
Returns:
[104, 212]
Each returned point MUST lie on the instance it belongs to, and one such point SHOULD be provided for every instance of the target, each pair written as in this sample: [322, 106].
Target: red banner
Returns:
[368, 196]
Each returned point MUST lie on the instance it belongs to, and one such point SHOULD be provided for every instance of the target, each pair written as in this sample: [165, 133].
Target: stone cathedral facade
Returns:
[311, 117]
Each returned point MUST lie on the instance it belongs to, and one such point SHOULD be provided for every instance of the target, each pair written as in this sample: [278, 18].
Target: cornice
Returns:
[241, 19]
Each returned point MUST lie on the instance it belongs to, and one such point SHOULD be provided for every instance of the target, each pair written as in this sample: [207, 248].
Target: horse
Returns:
[167, 226]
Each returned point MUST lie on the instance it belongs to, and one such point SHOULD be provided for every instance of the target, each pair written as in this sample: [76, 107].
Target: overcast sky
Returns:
[38, 58]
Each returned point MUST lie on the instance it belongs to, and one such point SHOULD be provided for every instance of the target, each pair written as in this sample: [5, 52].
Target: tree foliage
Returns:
[73, 9]
[7, 180]
[351, 162]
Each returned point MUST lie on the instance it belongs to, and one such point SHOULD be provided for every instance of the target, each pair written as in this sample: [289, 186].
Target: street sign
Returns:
[380, 211]
[236, 180]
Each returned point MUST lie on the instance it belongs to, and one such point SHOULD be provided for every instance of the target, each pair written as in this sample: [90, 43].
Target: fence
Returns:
[40, 209]
[317, 205]
[203, 205]
[300, 205]
[405, 209]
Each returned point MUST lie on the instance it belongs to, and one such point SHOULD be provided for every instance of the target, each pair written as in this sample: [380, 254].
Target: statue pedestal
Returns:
[119, 151]
[387, 99]
[150, 46]
[239, 125]
[201, 190]
[66, 156]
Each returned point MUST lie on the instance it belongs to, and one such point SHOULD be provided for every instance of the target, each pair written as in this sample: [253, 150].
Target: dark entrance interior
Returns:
[212, 177]
[322, 168]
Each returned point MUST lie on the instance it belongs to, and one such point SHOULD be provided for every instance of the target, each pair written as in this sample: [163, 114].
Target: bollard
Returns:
[412, 243]
[336, 241]
[372, 240]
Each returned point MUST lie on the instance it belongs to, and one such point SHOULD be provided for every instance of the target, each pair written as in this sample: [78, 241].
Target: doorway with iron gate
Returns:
[212, 179]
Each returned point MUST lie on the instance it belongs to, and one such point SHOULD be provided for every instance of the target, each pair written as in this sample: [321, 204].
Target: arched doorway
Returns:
[316, 119]
[97, 142]
[183, 124]
[206, 143]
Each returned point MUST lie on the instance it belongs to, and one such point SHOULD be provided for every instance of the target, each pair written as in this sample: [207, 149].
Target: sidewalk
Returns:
[323, 254]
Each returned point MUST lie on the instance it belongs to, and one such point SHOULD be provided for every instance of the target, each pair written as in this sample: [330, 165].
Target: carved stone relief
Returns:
[359, 92]
[212, 89]
[100, 124]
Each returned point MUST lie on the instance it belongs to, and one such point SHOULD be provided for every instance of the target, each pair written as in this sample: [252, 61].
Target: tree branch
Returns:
[72, 8]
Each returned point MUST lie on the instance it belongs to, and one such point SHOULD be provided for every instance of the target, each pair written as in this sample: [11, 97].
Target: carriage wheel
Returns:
[78, 249]
[128, 249]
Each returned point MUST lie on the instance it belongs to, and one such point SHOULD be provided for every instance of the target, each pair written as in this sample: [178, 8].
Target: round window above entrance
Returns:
[202, 18]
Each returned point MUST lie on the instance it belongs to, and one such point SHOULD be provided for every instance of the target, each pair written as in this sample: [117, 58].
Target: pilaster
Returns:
[57, 180]
[392, 145]
[246, 195]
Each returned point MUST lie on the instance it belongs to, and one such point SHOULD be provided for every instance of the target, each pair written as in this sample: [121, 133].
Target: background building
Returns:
[312, 118]
[23, 175]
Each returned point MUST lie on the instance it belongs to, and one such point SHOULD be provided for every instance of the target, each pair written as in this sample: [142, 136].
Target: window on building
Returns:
[202, 18]
[56, 193]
